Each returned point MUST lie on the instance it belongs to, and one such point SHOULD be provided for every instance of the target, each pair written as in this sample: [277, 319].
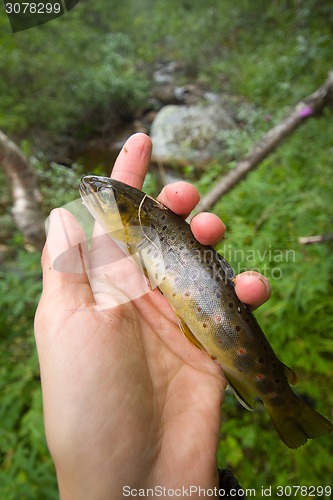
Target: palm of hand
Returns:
[132, 384]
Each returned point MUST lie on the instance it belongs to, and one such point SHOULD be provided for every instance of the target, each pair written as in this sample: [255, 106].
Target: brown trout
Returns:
[199, 285]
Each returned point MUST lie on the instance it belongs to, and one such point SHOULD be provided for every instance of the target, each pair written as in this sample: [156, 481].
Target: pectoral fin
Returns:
[189, 335]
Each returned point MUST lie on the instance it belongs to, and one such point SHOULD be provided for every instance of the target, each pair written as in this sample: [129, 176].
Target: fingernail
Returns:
[266, 283]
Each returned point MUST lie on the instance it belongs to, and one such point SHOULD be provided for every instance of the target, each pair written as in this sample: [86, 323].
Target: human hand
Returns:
[127, 400]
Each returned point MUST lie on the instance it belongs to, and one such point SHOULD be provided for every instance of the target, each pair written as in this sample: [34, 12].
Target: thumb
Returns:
[65, 260]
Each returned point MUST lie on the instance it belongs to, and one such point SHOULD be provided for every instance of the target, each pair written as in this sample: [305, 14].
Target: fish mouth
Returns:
[95, 188]
[93, 184]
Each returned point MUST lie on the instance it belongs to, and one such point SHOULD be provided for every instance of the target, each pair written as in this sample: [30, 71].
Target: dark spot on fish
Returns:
[277, 380]
[167, 266]
[199, 308]
[163, 217]
[218, 295]
[183, 233]
[204, 325]
[164, 228]
[187, 294]
[230, 305]
[261, 360]
[174, 294]
[122, 207]
[219, 341]
[237, 328]
[156, 276]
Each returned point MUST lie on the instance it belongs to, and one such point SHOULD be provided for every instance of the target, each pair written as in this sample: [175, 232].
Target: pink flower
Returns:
[305, 111]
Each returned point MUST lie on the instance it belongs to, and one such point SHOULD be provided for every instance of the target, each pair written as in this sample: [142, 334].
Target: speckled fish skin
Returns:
[199, 285]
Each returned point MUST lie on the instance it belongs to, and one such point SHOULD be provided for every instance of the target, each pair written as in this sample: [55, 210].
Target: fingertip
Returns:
[133, 160]
[181, 197]
[207, 228]
[252, 288]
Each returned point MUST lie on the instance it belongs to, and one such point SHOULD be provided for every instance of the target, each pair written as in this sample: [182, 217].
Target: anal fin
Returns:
[244, 396]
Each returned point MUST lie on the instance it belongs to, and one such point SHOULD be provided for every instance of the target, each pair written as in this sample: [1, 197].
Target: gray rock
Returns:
[190, 134]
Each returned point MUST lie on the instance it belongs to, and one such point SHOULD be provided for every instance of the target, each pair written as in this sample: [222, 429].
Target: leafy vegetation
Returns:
[71, 76]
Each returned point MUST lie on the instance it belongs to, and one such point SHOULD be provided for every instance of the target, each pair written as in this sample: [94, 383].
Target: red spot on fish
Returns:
[272, 395]
[260, 376]
[241, 351]
[199, 308]
[218, 318]
[219, 341]
[213, 357]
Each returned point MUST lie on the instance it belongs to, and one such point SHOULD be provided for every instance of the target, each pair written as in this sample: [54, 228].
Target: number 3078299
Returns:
[33, 8]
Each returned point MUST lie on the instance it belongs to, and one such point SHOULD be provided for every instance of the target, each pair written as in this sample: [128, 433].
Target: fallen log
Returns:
[26, 208]
[308, 107]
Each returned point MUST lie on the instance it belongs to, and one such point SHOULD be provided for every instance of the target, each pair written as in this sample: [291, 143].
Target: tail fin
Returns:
[298, 423]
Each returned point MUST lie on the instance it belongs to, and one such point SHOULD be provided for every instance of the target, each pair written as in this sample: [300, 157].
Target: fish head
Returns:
[114, 205]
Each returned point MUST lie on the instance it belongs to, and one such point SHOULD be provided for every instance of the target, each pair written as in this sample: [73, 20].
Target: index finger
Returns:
[133, 160]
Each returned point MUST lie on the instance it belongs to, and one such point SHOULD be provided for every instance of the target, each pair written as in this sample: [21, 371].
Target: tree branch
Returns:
[319, 238]
[306, 108]
[26, 208]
